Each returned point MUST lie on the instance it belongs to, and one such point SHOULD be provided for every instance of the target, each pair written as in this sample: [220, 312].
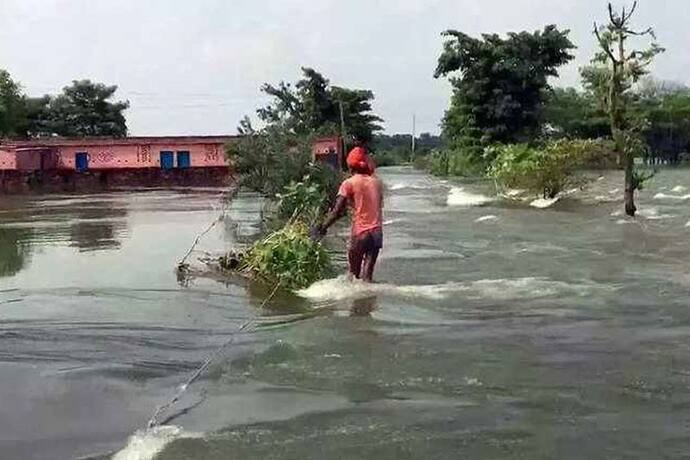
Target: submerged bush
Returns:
[547, 170]
[306, 200]
[289, 257]
[311, 197]
[277, 162]
[300, 199]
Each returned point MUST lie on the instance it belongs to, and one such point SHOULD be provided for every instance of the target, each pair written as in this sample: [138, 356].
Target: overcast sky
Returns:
[195, 67]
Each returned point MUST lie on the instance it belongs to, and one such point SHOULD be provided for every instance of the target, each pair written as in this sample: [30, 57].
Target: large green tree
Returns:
[312, 105]
[499, 93]
[82, 109]
[615, 68]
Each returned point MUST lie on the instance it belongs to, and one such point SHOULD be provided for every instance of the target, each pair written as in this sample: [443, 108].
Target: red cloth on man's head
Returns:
[358, 159]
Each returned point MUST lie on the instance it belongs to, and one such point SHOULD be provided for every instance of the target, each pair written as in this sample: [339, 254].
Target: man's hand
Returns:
[336, 213]
[317, 232]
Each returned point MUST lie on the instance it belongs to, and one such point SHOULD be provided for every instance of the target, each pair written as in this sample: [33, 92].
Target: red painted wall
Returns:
[8, 160]
[28, 160]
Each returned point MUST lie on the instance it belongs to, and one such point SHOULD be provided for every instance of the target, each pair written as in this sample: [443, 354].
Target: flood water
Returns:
[495, 331]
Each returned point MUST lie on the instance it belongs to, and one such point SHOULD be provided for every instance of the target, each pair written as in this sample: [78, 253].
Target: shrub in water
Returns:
[546, 170]
[289, 257]
[310, 197]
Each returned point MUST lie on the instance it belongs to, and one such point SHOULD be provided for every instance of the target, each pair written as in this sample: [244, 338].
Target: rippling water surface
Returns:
[496, 330]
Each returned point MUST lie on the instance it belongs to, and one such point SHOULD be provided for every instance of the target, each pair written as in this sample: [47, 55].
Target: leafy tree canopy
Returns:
[82, 109]
[500, 89]
[312, 105]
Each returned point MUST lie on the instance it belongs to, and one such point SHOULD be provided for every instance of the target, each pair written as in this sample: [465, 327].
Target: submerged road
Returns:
[496, 331]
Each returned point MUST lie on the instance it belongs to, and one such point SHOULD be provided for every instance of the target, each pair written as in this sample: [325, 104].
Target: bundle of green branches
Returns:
[289, 257]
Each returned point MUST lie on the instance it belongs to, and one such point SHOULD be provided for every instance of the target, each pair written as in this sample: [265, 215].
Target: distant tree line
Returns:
[396, 149]
[505, 119]
[663, 108]
[83, 108]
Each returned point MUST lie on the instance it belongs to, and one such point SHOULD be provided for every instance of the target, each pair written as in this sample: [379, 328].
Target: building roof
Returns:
[104, 141]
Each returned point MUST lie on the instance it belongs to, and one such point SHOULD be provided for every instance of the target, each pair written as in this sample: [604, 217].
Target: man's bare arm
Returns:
[336, 213]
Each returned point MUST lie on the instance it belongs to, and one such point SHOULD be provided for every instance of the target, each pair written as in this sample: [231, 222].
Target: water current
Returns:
[496, 330]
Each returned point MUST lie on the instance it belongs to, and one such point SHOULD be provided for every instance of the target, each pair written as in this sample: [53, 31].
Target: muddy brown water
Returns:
[496, 331]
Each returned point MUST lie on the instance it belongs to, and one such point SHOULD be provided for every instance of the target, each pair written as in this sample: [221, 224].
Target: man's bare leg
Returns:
[369, 264]
[354, 256]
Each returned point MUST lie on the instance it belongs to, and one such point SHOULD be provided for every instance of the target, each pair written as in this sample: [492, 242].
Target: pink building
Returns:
[135, 160]
[329, 150]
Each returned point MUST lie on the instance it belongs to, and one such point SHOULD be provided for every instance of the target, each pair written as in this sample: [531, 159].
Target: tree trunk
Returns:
[629, 193]
[617, 123]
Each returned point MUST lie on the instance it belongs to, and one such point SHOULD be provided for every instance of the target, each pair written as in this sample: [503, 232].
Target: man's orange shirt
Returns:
[365, 196]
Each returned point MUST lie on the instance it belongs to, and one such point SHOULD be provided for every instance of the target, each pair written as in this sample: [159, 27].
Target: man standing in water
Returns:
[363, 192]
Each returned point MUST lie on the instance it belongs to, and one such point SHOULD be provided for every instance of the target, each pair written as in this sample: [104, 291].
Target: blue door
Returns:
[183, 160]
[81, 161]
[167, 160]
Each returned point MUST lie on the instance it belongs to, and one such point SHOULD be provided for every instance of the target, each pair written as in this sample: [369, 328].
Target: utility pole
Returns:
[342, 120]
[414, 133]
[343, 142]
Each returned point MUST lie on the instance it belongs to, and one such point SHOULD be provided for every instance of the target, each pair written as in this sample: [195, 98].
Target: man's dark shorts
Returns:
[368, 241]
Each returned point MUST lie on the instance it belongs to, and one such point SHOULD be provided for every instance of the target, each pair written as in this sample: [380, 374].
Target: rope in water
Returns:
[228, 196]
[198, 238]
[197, 373]
[153, 421]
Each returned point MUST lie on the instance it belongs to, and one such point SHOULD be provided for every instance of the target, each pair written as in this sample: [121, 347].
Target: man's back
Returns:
[365, 196]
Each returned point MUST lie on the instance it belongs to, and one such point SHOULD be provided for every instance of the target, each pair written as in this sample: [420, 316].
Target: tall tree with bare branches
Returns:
[615, 70]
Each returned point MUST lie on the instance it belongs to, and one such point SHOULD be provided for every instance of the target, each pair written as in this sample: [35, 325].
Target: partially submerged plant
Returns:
[547, 170]
[641, 177]
[288, 257]
[303, 192]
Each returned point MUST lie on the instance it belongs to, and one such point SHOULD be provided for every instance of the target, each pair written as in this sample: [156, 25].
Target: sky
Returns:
[195, 67]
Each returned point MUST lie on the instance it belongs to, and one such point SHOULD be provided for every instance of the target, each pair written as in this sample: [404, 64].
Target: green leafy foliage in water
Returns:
[311, 197]
[300, 199]
[304, 192]
[546, 170]
[289, 257]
